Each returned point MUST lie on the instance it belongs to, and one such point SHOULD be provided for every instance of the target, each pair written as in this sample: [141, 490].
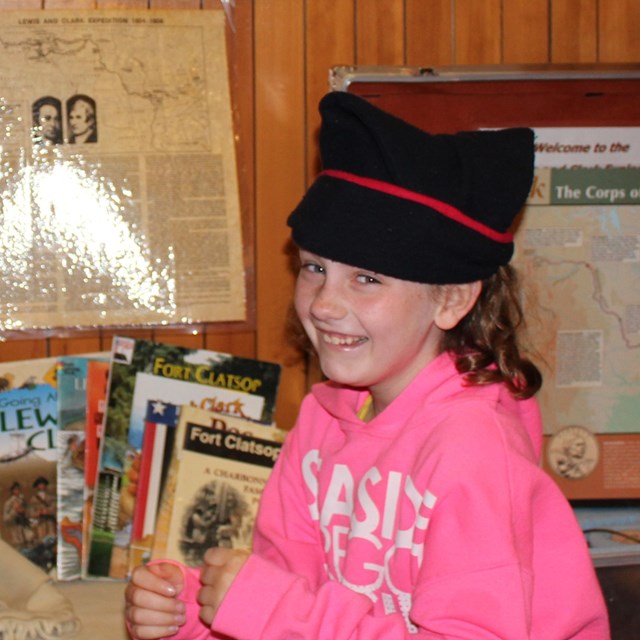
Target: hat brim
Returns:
[332, 221]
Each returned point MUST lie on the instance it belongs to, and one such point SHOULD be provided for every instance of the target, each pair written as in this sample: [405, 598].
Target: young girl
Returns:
[408, 499]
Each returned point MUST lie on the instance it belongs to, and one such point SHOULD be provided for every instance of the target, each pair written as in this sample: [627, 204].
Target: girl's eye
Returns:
[365, 278]
[311, 267]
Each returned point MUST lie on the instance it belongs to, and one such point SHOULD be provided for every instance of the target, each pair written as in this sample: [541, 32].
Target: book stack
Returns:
[148, 450]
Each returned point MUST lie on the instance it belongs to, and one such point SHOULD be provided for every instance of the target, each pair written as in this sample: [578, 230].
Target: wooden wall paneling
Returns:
[574, 31]
[233, 340]
[240, 343]
[241, 340]
[477, 28]
[19, 349]
[190, 336]
[380, 32]
[240, 54]
[525, 32]
[429, 41]
[618, 29]
[280, 182]
[330, 41]
[84, 342]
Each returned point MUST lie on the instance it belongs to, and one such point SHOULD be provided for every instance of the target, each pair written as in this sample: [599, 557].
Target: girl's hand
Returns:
[220, 568]
[152, 609]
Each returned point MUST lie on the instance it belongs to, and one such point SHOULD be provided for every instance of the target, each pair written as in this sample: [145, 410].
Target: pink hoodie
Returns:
[432, 520]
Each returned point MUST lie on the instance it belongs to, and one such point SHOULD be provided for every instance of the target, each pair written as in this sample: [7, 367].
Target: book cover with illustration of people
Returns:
[28, 428]
[144, 371]
[221, 466]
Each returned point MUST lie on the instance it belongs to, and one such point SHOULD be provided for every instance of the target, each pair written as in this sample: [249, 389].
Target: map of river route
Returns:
[578, 253]
[117, 170]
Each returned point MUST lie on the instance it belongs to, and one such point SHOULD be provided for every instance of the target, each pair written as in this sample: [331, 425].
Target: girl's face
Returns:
[369, 330]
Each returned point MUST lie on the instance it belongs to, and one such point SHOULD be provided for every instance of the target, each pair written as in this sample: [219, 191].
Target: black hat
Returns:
[40, 480]
[396, 200]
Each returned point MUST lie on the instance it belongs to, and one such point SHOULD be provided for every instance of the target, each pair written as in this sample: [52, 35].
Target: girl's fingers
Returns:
[146, 599]
[152, 632]
[148, 624]
[147, 617]
[168, 572]
[164, 579]
[152, 608]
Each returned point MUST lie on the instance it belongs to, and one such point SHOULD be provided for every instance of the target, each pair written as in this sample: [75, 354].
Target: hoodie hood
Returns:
[439, 389]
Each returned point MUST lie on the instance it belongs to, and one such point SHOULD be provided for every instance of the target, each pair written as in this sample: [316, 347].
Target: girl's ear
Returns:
[455, 301]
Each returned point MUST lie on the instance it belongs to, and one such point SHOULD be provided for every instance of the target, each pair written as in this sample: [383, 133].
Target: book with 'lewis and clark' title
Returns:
[28, 428]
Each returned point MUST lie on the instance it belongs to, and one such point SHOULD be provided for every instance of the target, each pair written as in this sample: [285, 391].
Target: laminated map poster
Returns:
[117, 169]
[578, 250]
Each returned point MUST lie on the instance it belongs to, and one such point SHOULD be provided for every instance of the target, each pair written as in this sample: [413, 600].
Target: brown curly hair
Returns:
[485, 342]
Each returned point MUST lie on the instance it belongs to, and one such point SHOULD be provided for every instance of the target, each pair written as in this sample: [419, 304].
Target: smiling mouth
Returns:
[342, 341]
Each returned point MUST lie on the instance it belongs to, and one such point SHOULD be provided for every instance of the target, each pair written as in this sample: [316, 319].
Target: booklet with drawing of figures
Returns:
[218, 471]
[144, 371]
[28, 427]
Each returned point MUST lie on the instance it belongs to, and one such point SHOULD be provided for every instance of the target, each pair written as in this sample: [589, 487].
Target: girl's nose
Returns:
[327, 304]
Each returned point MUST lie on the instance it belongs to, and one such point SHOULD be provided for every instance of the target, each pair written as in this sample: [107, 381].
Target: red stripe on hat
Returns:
[441, 207]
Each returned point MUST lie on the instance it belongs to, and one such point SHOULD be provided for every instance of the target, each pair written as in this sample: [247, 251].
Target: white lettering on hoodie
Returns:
[352, 520]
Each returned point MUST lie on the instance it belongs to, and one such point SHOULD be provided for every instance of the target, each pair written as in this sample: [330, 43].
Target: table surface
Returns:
[100, 607]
